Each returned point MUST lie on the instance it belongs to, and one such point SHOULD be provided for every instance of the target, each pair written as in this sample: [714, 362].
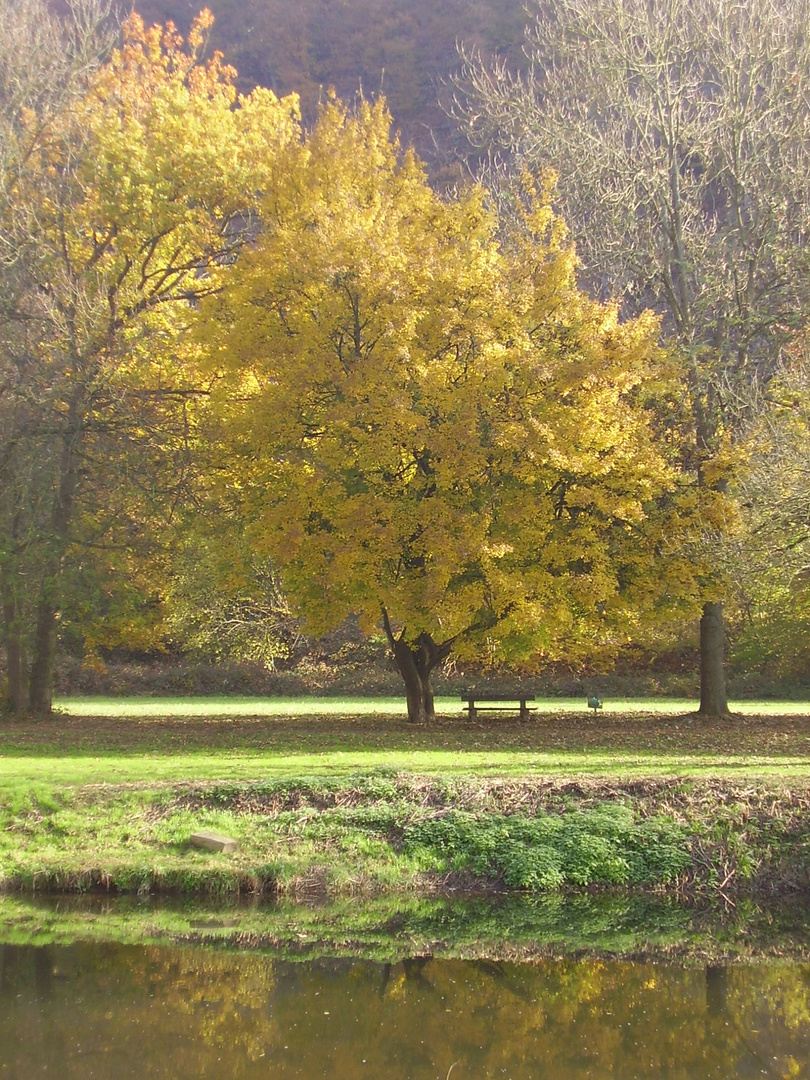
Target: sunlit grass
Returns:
[384, 706]
[164, 740]
[148, 769]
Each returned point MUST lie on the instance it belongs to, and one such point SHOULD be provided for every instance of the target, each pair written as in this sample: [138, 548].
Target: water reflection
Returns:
[90, 1010]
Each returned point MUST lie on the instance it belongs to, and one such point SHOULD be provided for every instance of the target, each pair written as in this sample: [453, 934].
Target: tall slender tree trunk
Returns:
[16, 634]
[40, 687]
[713, 700]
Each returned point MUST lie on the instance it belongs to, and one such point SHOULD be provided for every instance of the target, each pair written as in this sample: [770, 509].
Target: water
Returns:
[115, 1010]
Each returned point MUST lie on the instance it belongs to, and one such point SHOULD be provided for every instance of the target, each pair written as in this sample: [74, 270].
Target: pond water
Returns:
[98, 1009]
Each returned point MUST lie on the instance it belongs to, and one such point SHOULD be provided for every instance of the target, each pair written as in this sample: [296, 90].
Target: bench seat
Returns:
[487, 702]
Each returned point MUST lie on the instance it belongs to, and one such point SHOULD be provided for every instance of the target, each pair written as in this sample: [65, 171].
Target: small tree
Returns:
[681, 131]
[432, 428]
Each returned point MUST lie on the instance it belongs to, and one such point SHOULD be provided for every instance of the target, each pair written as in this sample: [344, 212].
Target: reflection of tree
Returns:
[716, 990]
[199, 1013]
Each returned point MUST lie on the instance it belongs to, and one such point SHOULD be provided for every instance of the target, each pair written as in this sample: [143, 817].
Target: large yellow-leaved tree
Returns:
[426, 423]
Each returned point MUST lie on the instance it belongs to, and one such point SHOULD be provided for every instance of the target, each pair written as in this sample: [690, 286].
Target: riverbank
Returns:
[365, 835]
[369, 805]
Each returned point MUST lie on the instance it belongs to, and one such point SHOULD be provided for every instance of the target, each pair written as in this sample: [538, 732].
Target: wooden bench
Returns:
[477, 703]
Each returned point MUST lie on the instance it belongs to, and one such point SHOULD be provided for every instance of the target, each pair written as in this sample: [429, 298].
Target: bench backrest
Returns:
[517, 696]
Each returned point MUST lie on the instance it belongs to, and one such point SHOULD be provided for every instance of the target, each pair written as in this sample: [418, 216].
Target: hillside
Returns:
[405, 47]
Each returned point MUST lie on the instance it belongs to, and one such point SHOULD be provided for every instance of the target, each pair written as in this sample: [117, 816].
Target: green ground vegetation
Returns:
[368, 804]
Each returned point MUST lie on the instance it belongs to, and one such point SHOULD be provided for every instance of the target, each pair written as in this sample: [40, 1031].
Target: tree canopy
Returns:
[399, 406]
[431, 425]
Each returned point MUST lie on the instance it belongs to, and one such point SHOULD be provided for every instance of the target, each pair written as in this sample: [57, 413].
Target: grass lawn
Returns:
[150, 741]
[362, 706]
[359, 800]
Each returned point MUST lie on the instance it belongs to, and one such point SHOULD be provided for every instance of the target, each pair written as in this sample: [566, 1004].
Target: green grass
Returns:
[364, 706]
[349, 800]
[159, 768]
[395, 832]
[174, 746]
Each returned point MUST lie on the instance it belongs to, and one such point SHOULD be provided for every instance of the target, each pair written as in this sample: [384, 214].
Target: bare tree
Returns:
[43, 59]
[680, 130]
[775, 487]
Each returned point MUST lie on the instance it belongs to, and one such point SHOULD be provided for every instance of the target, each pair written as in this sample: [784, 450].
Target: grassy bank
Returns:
[364, 804]
[311, 838]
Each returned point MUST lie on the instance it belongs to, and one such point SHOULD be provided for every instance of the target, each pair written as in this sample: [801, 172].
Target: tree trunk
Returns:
[15, 669]
[416, 663]
[15, 652]
[40, 687]
[713, 700]
[416, 676]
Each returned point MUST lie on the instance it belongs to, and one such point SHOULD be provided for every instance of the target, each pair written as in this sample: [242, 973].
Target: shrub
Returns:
[604, 846]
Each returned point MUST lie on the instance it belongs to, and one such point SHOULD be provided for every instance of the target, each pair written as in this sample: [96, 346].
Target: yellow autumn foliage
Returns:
[425, 417]
[123, 208]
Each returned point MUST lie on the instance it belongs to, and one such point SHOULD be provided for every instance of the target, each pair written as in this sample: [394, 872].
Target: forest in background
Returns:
[406, 49]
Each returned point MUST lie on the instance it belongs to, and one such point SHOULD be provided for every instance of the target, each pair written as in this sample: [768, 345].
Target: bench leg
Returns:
[472, 712]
